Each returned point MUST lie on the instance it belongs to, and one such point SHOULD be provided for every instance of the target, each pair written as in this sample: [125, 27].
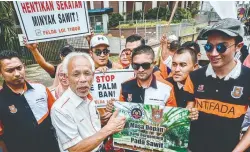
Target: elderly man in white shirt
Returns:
[74, 114]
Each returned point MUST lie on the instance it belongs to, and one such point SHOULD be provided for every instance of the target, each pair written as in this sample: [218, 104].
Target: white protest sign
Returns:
[52, 20]
[108, 85]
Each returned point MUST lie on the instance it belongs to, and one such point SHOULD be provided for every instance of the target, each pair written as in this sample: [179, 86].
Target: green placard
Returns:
[153, 128]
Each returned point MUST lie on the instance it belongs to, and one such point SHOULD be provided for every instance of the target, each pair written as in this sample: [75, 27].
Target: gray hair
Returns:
[66, 60]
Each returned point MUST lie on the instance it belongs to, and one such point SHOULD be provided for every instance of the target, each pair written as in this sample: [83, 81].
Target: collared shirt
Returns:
[74, 119]
[153, 95]
[26, 121]
[24, 89]
[180, 86]
[235, 73]
[222, 104]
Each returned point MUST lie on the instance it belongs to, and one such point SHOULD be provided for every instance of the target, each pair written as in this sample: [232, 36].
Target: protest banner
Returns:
[108, 85]
[152, 128]
[52, 20]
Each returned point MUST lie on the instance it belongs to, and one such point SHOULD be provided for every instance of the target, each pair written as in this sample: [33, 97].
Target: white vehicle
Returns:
[203, 40]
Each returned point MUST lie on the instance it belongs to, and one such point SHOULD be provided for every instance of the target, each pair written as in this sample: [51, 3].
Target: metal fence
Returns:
[152, 30]
[148, 29]
[190, 28]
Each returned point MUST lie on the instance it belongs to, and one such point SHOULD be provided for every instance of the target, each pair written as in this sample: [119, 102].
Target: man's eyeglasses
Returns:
[137, 66]
[221, 47]
[99, 52]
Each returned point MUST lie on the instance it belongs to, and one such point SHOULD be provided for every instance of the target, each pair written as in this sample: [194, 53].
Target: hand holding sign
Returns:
[116, 123]
[110, 105]
[194, 113]
[108, 112]
[105, 117]
[32, 46]
[89, 37]
[102, 69]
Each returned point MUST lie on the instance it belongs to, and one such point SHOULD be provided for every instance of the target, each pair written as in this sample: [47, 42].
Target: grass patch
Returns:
[192, 29]
[114, 58]
[141, 24]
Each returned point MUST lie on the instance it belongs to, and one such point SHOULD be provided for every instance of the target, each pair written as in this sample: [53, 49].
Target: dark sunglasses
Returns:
[99, 52]
[221, 47]
[137, 66]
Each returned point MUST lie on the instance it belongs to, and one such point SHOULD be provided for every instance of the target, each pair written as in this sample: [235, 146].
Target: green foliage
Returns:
[151, 14]
[7, 34]
[117, 135]
[141, 24]
[175, 120]
[194, 9]
[174, 135]
[114, 19]
[163, 14]
[137, 15]
[181, 13]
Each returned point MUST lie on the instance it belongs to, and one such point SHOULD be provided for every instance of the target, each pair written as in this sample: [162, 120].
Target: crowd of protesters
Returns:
[64, 117]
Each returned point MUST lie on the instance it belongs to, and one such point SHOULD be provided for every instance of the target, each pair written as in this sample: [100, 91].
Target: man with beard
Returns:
[146, 87]
[24, 109]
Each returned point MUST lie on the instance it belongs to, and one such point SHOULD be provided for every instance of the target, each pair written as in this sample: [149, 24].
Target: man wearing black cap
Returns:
[220, 91]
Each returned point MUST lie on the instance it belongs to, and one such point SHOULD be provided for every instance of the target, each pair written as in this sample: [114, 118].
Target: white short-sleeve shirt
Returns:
[74, 119]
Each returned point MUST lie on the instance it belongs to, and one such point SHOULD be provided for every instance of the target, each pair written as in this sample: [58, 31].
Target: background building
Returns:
[99, 10]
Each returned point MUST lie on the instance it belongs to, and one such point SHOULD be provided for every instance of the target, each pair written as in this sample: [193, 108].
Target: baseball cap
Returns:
[98, 39]
[172, 38]
[229, 26]
[65, 50]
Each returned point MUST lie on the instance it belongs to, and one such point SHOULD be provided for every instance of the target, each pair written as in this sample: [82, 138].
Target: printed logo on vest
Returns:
[200, 88]
[13, 109]
[129, 99]
[237, 92]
